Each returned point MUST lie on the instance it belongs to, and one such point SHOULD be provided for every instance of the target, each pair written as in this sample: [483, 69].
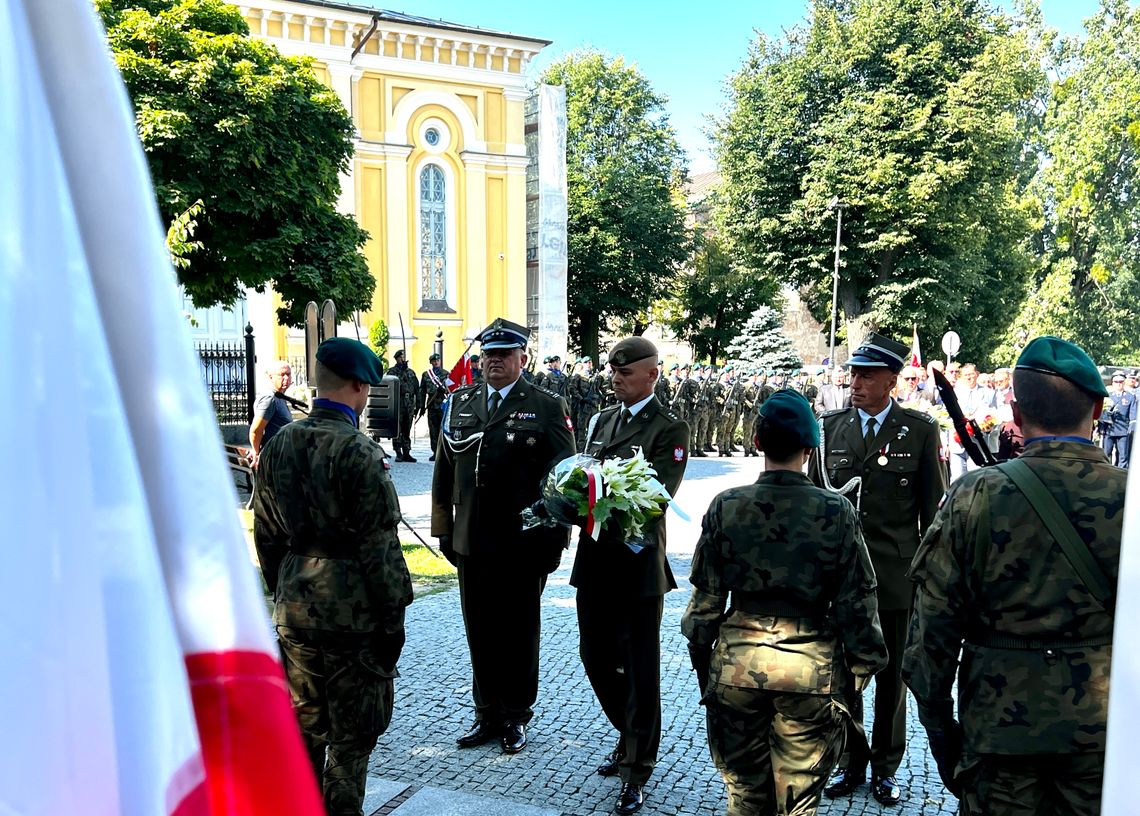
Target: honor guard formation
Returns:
[909, 528]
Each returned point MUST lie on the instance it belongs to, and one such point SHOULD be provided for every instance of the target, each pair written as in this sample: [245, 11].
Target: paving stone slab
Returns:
[378, 792]
[440, 802]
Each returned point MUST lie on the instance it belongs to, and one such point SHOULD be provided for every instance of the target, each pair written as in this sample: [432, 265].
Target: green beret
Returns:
[630, 350]
[474, 358]
[434, 357]
[675, 367]
[1060, 358]
[790, 411]
[351, 360]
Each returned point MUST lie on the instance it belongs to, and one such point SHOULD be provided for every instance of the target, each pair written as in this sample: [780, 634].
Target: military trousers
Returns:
[435, 419]
[403, 441]
[619, 640]
[888, 738]
[775, 751]
[1043, 785]
[700, 430]
[343, 701]
[1121, 445]
[501, 602]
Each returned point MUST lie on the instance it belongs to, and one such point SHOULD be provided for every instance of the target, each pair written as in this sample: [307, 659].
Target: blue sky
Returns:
[685, 49]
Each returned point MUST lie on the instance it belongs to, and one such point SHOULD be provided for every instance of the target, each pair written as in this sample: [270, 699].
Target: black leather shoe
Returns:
[409, 458]
[431, 458]
[844, 783]
[631, 798]
[885, 790]
[514, 738]
[611, 764]
[480, 734]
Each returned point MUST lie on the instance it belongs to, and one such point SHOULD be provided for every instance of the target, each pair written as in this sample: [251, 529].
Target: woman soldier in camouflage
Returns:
[787, 560]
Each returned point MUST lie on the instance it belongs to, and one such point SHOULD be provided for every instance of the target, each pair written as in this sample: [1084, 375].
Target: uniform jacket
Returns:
[987, 568]
[433, 390]
[1120, 414]
[784, 540]
[607, 564]
[409, 387]
[899, 498]
[325, 515]
[480, 487]
[663, 390]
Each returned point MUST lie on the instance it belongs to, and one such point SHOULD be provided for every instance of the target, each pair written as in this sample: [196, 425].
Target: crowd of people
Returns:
[846, 560]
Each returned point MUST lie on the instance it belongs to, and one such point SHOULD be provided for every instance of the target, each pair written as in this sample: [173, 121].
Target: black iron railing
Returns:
[228, 371]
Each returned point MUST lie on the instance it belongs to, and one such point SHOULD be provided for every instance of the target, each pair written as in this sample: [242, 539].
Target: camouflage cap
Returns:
[630, 350]
[1060, 358]
[351, 360]
[790, 411]
[877, 351]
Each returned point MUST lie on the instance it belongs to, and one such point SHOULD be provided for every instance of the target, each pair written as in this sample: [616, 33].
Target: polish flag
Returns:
[915, 351]
[460, 374]
[142, 675]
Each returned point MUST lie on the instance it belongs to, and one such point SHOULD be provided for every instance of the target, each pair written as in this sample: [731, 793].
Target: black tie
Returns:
[869, 436]
[496, 398]
[626, 417]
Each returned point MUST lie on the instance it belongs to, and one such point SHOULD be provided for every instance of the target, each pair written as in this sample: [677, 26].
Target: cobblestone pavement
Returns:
[569, 734]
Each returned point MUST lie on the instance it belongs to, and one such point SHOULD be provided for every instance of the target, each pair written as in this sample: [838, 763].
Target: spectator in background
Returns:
[271, 412]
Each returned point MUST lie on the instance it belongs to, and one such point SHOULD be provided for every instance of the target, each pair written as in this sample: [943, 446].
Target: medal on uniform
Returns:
[510, 437]
[882, 460]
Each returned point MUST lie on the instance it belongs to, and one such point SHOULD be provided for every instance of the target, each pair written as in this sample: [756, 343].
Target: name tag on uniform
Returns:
[524, 415]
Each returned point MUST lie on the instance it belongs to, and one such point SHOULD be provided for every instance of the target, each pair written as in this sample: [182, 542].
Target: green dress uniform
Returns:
[488, 469]
[325, 516]
[1000, 608]
[784, 599]
[902, 482]
[433, 392]
[620, 593]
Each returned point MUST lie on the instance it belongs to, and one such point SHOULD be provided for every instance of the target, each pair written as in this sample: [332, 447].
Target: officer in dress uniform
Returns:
[783, 605]
[499, 441]
[409, 406]
[1117, 421]
[325, 516]
[620, 592]
[1020, 611]
[894, 451]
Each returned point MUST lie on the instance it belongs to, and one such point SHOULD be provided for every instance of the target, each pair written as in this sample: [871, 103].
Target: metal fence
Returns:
[228, 371]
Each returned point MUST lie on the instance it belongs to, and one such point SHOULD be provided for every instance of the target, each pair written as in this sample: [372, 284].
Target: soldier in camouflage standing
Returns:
[589, 403]
[685, 403]
[698, 415]
[749, 410]
[325, 515]
[730, 418]
[662, 388]
[1026, 605]
[709, 408]
[409, 402]
[675, 380]
[787, 561]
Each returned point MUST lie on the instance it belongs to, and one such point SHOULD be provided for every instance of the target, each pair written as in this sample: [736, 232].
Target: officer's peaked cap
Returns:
[351, 360]
[503, 334]
[877, 351]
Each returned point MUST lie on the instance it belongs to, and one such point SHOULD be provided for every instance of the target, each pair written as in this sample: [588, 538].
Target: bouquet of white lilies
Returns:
[623, 493]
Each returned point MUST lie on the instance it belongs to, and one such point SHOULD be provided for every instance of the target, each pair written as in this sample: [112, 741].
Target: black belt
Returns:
[997, 640]
[775, 607]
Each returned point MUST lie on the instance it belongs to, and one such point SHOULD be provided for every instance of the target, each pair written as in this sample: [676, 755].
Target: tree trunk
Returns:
[590, 336]
[714, 350]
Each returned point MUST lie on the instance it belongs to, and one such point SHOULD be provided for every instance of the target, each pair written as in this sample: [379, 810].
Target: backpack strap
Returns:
[1060, 527]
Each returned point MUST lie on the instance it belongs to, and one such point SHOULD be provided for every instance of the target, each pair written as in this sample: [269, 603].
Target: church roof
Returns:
[384, 15]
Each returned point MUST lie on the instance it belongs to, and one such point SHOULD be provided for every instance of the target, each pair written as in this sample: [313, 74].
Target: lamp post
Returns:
[837, 205]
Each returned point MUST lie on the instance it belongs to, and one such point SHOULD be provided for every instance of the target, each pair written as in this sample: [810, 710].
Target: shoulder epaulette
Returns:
[834, 412]
[669, 413]
[913, 412]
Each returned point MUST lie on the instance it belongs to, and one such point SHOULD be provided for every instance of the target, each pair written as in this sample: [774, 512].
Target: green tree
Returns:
[714, 298]
[624, 169]
[227, 121]
[1088, 286]
[762, 343]
[914, 114]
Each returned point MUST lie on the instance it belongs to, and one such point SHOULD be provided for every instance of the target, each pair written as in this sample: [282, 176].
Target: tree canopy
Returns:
[913, 114]
[625, 221]
[227, 121]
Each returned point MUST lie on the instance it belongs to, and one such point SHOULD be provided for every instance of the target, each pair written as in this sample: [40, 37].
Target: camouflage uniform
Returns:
[325, 516]
[685, 399]
[409, 402]
[1033, 680]
[726, 433]
[787, 560]
[663, 390]
[707, 408]
[589, 403]
[750, 409]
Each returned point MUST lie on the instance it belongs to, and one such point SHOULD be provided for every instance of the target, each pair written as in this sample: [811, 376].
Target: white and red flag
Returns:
[141, 676]
[460, 374]
[915, 352]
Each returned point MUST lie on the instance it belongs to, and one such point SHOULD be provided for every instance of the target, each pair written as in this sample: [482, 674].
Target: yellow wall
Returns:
[488, 199]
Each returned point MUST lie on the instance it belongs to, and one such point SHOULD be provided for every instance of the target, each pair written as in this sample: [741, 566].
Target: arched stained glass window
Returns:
[433, 238]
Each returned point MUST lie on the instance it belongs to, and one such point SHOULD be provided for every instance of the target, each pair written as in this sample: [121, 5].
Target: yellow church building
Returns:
[439, 173]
